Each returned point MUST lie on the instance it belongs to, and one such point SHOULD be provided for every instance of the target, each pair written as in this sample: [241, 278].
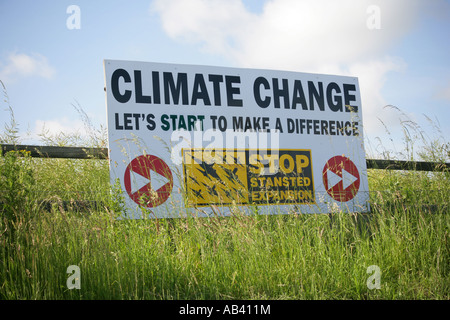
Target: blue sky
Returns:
[47, 67]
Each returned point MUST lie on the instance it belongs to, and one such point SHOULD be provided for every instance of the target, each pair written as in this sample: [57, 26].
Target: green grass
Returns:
[238, 257]
[298, 256]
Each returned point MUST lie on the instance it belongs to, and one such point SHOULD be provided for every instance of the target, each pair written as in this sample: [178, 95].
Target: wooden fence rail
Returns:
[102, 153]
[59, 152]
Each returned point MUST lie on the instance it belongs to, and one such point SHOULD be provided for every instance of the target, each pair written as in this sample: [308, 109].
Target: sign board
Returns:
[185, 138]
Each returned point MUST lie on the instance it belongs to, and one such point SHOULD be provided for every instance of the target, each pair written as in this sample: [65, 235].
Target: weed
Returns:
[242, 256]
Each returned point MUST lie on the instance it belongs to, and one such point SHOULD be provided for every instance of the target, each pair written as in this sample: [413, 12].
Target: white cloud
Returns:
[19, 65]
[320, 36]
[372, 76]
[58, 125]
[288, 33]
[215, 23]
[62, 130]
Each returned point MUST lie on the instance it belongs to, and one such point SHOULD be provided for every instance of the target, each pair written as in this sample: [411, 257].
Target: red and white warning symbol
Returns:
[148, 181]
[341, 178]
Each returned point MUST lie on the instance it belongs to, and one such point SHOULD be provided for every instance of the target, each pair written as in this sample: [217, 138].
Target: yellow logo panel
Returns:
[215, 177]
[247, 176]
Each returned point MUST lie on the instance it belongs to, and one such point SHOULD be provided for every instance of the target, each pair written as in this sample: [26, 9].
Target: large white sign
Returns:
[201, 140]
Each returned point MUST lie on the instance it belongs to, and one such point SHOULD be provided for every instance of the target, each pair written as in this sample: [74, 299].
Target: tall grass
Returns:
[298, 256]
